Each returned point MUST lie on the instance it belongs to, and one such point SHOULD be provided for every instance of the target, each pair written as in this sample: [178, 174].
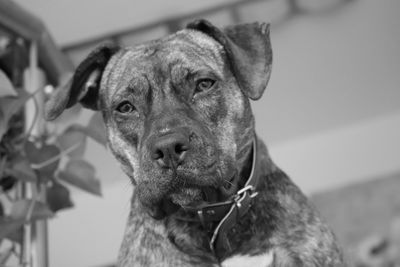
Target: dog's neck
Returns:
[244, 162]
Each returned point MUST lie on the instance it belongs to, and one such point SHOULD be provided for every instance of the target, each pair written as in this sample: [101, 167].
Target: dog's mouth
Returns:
[187, 197]
[175, 201]
[191, 197]
[207, 191]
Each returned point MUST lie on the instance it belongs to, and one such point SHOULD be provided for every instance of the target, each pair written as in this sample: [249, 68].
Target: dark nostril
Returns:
[180, 148]
[158, 154]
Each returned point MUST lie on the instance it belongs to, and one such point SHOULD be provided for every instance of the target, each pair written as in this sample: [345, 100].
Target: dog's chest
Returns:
[263, 260]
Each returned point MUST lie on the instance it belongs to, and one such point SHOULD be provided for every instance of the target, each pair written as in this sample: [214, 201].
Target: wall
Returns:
[73, 21]
[332, 70]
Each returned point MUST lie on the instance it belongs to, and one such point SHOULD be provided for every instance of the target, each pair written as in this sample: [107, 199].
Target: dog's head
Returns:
[176, 109]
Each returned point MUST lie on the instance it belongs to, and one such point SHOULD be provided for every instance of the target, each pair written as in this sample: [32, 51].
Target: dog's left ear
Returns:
[84, 85]
[248, 50]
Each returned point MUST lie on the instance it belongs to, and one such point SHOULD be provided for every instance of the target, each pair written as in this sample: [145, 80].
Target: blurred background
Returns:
[330, 114]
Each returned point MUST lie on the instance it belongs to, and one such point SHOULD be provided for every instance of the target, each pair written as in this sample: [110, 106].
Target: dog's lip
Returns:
[207, 169]
[169, 207]
[212, 164]
[186, 196]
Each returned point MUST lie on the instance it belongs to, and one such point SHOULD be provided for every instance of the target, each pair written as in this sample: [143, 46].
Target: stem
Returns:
[35, 118]
[31, 207]
[28, 242]
[7, 195]
[2, 165]
[14, 250]
[45, 163]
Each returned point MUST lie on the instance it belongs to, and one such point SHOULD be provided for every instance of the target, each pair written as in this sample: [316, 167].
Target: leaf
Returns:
[96, 129]
[82, 175]
[22, 170]
[69, 115]
[4, 256]
[7, 182]
[75, 138]
[6, 87]
[9, 226]
[44, 159]
[10, 106]
[58, 197]
[20, 209]
[16, 236]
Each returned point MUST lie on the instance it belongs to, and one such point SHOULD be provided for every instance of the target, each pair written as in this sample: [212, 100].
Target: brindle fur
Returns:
[158, 77]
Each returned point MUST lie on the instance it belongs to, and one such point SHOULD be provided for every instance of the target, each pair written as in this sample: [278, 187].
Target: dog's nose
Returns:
[170, 150]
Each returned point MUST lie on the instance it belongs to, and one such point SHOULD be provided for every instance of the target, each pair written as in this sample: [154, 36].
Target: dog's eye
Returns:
[204, 84]
[125, 107]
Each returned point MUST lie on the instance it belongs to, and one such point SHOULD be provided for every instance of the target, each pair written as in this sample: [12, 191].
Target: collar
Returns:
[227, 213]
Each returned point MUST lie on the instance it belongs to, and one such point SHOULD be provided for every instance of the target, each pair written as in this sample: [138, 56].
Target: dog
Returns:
[178, 119]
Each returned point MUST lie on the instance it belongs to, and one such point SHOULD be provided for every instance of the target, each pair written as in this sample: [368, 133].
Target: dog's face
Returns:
[177, 109]
[174, 115]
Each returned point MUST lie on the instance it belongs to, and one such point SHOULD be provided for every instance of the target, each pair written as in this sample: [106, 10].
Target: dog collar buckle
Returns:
[248, 188]
[242, 194]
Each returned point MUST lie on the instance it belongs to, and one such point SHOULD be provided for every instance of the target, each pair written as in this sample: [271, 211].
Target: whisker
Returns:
[228, 182]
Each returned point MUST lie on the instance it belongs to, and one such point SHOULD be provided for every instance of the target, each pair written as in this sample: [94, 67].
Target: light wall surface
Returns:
[332, 70]
[72, 21]
[331, 113]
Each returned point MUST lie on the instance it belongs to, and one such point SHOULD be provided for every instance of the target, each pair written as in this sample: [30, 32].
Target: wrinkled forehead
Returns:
[185, 49]
[193, 42]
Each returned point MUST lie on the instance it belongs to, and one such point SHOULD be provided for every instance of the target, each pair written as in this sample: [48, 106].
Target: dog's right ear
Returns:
[249, 52]
[84, 85]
